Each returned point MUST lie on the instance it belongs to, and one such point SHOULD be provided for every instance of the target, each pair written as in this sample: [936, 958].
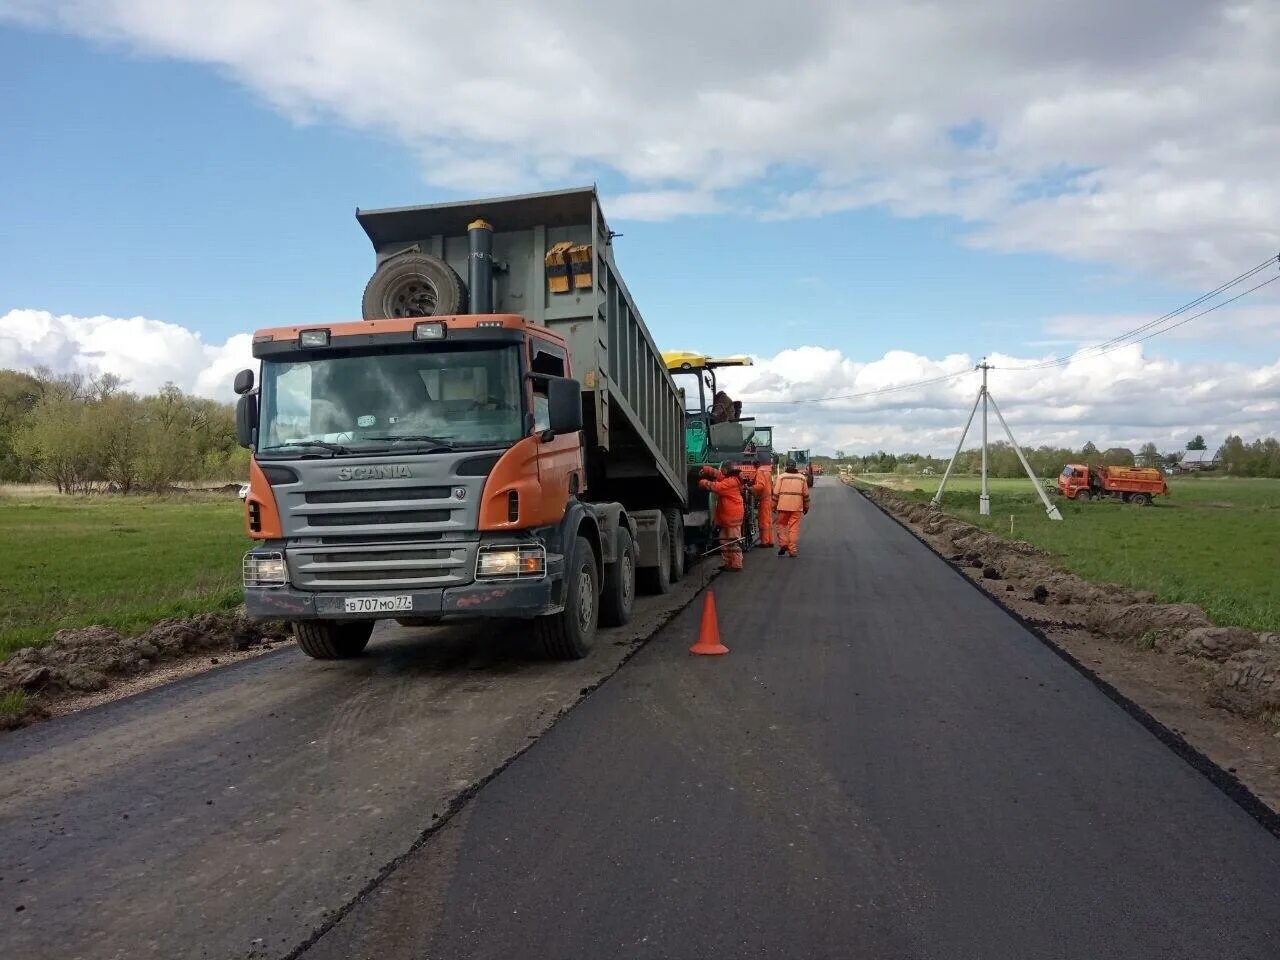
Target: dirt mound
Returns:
[1244, 666]
[1249, 683]
[1136, 620]
[91, 658]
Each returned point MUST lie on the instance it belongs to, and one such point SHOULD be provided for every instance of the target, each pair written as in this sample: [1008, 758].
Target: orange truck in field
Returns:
[1131, 484]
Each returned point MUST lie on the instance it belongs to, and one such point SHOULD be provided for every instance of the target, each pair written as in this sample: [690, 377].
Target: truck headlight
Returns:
[264, 569]
[511, 562]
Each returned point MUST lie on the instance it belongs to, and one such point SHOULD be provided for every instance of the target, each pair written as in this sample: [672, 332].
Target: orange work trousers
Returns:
[766, 521]
[731, 546]
[789, 530]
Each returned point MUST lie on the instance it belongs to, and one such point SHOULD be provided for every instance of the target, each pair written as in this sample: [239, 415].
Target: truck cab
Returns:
[801, 459]
[1073, 479]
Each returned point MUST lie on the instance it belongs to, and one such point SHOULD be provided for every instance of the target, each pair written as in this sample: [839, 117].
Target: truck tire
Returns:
[414, 284]
[675, 524]
[1084, 496]
[618, 593]
[657, 579]
[1141, 500]
[568, 635]
[332, 639]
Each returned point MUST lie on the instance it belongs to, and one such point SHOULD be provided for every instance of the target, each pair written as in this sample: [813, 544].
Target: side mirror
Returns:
[243, 382]
[246, 417]
[564, 405]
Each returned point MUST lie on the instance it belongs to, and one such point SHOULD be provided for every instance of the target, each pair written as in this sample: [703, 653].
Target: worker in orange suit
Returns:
[762, 487]
[792, 500]
[727, 486]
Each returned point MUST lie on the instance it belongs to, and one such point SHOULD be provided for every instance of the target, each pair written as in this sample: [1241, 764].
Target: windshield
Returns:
[371, 401]
[762, 437]
[688, 382]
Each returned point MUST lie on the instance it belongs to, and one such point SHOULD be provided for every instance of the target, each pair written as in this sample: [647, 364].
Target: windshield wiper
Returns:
[334, 448]
[442, 443]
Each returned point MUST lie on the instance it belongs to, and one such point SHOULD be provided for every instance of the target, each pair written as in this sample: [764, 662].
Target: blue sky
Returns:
[144, 186]
[904, 180]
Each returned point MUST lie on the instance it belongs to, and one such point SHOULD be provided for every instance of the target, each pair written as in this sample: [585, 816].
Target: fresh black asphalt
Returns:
[885, 766]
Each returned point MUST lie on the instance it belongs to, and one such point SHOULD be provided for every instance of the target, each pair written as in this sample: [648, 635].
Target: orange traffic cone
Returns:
[709, 636]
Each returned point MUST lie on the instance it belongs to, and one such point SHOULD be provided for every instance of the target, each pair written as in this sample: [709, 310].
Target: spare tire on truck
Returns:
[414, 284]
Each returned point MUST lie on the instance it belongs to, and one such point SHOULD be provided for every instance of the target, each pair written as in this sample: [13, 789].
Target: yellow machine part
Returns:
[682, 360]
[557, 264]
[580, 266]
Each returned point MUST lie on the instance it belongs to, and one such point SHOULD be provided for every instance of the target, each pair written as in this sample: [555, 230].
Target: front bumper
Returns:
[503, 598]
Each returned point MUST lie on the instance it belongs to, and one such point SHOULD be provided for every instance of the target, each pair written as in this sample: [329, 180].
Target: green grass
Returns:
[125, 562]
[12, 703]
[1215, 541]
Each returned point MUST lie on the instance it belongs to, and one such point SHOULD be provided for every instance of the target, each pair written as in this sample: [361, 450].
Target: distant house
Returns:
[1197, 460]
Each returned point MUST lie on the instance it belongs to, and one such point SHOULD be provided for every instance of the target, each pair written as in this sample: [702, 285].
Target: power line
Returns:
[868, 393]
[1174, 326]
[1129, 337]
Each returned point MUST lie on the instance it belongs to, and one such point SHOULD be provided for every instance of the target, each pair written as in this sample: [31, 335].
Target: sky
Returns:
[857, 195]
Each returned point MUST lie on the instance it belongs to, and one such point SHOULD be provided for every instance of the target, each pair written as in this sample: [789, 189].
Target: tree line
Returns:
[1261, 458]
[86, 434]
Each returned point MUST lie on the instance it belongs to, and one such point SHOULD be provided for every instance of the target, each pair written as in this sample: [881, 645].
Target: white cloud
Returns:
[146, 353]
[1141, 133]
[663, 204]
[1123, 398]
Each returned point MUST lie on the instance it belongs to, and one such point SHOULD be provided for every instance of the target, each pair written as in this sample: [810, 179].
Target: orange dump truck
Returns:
[1131, 484]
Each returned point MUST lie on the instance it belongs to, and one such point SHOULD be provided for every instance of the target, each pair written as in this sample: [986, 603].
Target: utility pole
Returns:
[984, 498]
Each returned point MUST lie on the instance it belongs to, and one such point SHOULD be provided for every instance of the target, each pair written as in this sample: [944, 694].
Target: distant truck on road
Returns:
[506, 446]
[1131, 484]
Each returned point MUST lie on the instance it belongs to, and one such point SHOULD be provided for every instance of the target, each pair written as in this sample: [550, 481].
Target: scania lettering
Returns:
[373, 473]
[510, 445]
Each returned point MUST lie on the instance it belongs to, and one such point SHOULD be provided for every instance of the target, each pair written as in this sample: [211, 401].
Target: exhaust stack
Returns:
[480, 265]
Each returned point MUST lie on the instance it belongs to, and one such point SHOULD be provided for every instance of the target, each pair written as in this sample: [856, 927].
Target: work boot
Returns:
[782, 551]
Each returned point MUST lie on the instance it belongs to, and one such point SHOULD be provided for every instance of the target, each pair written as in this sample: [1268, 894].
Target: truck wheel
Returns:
[332, 639]
[568, 635]
[657, 579]
[1142, 499]
[619, 591]
[1084, 496]
[675, 523]
[414, 285]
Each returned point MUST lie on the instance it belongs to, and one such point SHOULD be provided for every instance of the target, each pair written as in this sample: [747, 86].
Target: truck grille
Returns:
[384, 566]
[377, 495]
[377, 518]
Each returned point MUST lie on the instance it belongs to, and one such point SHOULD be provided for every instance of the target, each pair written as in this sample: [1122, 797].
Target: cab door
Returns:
[560, 469]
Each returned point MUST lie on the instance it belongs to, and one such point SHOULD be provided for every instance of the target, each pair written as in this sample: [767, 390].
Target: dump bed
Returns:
[554, 265]
[1133, 479]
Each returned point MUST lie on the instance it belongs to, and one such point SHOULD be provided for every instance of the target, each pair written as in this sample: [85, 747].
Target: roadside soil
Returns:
[91, 665]
[1217, 688]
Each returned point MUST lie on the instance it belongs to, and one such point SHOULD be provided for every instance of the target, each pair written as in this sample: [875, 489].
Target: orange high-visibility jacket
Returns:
[791, 493]
[728, 491]
[763, 486]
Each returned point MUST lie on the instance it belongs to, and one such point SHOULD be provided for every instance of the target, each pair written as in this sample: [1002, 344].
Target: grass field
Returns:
[122, 562]
[1214, 542]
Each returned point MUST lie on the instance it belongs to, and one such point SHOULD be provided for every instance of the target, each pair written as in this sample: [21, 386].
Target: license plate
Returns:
[377, 604]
